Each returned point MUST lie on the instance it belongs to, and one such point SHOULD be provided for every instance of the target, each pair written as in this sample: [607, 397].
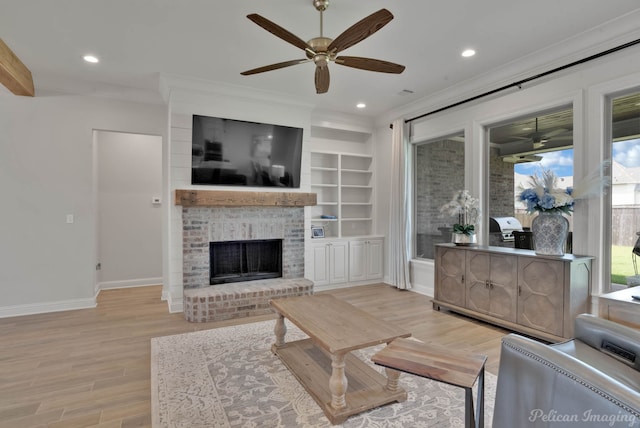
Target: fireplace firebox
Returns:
[235, 261]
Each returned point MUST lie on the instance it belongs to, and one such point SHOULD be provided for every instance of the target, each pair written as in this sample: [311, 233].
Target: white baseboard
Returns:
[336, 286]
[142, 282]
[422, 289]
[175, 304]
[41, 308]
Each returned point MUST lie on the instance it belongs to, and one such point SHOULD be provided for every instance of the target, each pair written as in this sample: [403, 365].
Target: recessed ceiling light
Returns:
[90, 58]
[468, 52]
[361, 105]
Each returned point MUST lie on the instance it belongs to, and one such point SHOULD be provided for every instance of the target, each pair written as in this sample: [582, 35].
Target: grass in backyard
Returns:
[621, 264]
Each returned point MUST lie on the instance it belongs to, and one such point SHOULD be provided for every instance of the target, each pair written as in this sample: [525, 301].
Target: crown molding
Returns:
[596, 40]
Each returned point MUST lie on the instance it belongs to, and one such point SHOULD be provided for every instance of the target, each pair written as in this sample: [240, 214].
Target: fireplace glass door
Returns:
[234, 261]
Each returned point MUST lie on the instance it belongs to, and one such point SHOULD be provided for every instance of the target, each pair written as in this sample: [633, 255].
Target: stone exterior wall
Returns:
[501, 187]
[204, 224]
[439, 174]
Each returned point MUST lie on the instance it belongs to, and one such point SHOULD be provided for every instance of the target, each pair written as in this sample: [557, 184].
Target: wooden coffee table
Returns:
[341, 384]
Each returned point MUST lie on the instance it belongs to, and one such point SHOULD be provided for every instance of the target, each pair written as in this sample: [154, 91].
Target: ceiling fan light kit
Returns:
[323, 50]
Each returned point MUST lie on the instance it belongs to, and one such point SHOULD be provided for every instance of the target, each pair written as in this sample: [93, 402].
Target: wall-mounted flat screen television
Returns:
[237, 153]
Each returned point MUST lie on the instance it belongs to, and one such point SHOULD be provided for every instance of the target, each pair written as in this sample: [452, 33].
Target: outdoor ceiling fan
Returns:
[322, 50]
[540, 139]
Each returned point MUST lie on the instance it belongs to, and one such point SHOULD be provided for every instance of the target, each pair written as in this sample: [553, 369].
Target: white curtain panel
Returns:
[399, 231]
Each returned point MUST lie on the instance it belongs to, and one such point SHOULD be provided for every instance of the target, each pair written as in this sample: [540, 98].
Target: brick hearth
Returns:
[240, 299]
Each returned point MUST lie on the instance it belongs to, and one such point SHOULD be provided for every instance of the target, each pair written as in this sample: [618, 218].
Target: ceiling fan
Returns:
[540, 139]
[322, 50]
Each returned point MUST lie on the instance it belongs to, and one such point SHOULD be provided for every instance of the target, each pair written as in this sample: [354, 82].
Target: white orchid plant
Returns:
[467, 208]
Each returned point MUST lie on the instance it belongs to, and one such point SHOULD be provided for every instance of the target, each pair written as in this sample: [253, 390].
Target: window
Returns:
[625, 189]
[439, 173]
[519, 149]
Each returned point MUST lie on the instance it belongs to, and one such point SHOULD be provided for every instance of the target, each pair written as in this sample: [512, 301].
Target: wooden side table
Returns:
[620, 307]
[443, 365]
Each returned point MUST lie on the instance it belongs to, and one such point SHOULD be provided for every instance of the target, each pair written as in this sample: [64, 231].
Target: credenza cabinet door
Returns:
[491, 284]
[540, 294]
[450, 275]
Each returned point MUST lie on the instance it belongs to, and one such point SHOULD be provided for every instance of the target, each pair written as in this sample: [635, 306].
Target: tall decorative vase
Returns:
[550, 229]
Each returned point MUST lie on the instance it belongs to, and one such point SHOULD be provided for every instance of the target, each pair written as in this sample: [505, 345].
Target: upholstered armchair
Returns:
[592, 380]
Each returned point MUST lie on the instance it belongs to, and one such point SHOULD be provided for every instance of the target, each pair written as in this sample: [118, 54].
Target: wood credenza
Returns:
[517, 289]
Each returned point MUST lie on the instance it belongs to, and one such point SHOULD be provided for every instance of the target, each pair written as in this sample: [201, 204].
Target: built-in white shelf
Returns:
[343, 182]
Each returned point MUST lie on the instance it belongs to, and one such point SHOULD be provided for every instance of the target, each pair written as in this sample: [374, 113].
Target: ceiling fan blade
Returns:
[555, 132]
[274, 66]
[360, 30]
[322, 79]
[278, 31]
[370, 64]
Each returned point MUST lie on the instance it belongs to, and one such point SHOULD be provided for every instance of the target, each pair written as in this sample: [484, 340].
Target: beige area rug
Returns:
[228, 377]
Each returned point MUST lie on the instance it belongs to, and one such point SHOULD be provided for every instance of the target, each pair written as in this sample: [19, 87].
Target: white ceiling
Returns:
[213, 40]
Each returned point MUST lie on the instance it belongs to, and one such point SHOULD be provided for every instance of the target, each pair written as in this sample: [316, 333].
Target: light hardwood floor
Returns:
[91, 367]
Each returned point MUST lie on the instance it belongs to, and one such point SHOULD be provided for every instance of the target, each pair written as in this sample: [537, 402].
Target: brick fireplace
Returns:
[205, 225]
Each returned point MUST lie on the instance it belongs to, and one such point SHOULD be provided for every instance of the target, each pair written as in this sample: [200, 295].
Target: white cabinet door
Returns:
[330, 262]
[357, 261]
[320, 274]
[338, 266]
[375, 258]
[365, 259]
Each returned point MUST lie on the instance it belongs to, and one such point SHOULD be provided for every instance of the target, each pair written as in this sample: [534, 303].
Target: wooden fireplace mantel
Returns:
[226, 198]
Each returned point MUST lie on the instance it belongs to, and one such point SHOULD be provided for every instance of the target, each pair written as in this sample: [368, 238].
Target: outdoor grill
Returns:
[505, 226]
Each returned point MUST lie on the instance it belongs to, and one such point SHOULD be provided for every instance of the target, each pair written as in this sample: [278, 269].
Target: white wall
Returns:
[46, 173]
[129, 222]
[585, 87]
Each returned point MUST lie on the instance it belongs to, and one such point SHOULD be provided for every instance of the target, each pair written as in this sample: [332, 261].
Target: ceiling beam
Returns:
[13, 73]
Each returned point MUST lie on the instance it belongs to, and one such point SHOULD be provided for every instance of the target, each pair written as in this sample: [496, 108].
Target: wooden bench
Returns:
[443, 365]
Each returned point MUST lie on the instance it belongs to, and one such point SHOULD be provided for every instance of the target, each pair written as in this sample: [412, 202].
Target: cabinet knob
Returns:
[486, 284]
